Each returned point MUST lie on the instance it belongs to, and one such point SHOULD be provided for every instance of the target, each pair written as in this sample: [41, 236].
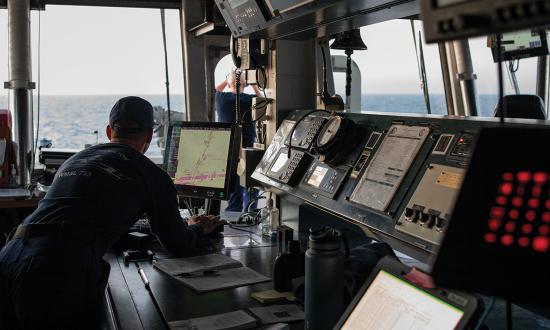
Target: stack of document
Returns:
[210, 272]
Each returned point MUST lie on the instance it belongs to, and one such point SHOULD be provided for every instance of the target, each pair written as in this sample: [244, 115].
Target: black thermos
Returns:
[324, 278]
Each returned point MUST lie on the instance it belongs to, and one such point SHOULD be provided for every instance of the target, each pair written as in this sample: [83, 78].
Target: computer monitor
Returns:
[521, 44]
[202, 158]
[388, 300]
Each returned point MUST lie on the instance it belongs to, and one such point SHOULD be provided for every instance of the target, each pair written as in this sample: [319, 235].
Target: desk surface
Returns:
[135, 309]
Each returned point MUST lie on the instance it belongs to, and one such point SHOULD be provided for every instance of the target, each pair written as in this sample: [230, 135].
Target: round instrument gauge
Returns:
[329, 131]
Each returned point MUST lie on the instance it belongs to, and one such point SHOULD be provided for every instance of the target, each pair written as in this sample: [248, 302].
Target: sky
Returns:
[94, 50]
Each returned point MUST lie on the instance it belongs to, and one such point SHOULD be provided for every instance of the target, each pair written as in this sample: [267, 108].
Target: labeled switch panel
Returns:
[427, 213]
[306, 131]
[289, 170]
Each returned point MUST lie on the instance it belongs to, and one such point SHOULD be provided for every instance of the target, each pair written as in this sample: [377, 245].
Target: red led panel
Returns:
[506, 188]
[524, 176]
[530, 215]
[527, 228]
[523, 241]
[518, 202]
[501, 200]
[508, 176]
[490, 238]
[507, 240]
[533, 203]
[544, 230]
[546, 217]
[494, 224]
[497, 212]
[541, 244]
[510, 227]
[540, 177]
[513, 214]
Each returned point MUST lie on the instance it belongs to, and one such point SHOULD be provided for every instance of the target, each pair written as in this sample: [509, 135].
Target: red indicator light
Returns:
[527, 229]
[497, 212]
[541, 244]
[524, 176]
[506, 188]
[544, 230]
[461, 140]
[490, 238]
[517, 202]
[523, 241]
[533, 203]
[493, 224]
[530, 215]
[501, 200]
[510, 227]
[507, 240]
[540, 177]
[513, 214]
[537, 191]
[508, 177]
[546, 217]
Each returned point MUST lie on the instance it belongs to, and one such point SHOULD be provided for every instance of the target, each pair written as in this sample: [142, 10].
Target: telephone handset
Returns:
[234, 50]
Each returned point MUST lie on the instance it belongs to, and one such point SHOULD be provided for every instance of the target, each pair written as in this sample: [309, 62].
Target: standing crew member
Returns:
[52, 275]
[226, 113]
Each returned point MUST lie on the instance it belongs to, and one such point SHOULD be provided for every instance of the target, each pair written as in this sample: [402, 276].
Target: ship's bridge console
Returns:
[394, 175]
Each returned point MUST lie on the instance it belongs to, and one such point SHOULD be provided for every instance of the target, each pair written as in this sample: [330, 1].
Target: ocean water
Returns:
[71, 121]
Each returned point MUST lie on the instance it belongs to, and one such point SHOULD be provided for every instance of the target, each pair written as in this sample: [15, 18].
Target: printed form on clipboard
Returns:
[389, 166]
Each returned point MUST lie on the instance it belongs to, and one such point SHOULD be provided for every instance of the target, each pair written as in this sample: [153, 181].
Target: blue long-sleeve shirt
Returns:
[107, 188]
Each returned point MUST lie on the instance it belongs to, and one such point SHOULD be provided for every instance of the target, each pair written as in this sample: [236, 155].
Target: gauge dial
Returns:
[329, 131]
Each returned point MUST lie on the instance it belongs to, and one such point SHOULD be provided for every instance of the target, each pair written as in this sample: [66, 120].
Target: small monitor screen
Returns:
[521, 44]
[200, 158]
[392, 303]
[317, 176]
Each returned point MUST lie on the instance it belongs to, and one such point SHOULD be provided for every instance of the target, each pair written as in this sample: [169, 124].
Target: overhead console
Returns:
[275, 19]
[397, 175]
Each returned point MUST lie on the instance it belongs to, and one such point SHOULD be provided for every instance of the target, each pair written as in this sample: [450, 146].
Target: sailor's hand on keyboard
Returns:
[207, 222]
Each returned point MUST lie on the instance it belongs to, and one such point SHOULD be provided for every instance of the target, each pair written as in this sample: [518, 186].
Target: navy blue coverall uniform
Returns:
[56, 280]
[225, 113]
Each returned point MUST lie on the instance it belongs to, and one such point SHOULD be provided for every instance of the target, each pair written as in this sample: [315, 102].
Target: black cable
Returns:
[163, 23]
[500, 79]
[508, 315]
[297, 123]
[324, 92]
[238, 115]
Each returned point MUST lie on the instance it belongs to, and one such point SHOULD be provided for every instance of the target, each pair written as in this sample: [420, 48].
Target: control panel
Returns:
[243, 15]
[289, 170]
[430, 207]
[458, 19]
[399, 175]
[306, 131]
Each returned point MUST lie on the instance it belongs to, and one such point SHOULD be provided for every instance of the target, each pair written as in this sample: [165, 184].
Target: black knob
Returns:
[439, 224]
[416, 216]
[424, 219]
[409, 213]
[431, 220]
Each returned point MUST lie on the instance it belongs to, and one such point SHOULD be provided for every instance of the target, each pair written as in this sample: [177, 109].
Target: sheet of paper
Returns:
[278, 313]
[233, 320]
[224, 279]
[197, 263]
[389, 166]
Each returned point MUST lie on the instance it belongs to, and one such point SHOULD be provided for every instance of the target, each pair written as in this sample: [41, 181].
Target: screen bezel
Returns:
[523, 53]
[232, 159]
[397, 269]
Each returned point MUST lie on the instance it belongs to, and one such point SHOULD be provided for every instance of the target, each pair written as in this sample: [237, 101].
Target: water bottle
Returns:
[324, 278]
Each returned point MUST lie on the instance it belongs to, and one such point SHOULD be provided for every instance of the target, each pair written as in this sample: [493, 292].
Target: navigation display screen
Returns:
[392, 303]
[200, 158]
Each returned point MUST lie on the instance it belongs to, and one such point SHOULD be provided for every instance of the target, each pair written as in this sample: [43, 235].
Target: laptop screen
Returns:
[392, 303]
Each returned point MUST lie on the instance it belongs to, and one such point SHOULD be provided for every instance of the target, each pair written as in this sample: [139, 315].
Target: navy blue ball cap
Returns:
[131, 114]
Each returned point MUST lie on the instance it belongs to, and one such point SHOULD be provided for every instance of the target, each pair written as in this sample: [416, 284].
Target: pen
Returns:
[144, 278]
